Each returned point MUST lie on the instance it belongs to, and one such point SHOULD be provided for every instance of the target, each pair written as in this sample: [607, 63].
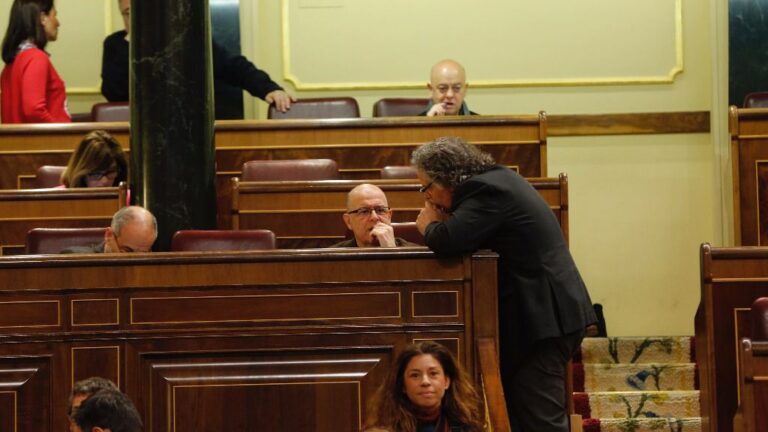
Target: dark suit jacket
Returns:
[541, 294]
[233, 69]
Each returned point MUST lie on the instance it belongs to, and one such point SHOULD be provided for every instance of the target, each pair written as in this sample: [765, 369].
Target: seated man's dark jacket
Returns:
[399, 242]
[99, 248]
[233, 69]
[541, 294]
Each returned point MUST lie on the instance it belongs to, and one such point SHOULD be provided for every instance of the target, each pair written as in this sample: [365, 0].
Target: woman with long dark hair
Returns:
[32, 90]
[425, 390]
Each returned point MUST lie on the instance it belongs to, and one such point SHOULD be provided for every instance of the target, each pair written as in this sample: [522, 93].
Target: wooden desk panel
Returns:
[731, 280]
[753, 382]
[749, 153]
[22, 210]
[361, 147]
[197, 340]
[309, 213]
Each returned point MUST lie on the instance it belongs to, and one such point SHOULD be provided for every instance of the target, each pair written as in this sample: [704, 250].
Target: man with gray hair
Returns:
[544, 307]
[133, 229]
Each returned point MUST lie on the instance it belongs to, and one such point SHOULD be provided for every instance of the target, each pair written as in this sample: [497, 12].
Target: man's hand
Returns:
[436, 110]
[281, 99]
[384, 234]
[427, 215]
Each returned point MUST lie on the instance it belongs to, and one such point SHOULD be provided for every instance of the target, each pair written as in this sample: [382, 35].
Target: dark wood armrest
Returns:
[493, 393]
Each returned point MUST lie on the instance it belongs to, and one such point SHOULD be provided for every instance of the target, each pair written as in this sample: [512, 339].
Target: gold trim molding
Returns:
[576, 82]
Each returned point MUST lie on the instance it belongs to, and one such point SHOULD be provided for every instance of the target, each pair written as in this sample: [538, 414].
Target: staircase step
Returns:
[691, 424]
[667, 349]
[637, 404]
[633, 377]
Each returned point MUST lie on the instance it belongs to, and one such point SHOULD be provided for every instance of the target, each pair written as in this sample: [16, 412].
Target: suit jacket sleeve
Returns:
[238, 71]
[473, 222]
[114, 68]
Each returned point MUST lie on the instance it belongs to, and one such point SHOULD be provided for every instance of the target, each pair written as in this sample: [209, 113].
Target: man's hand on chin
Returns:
[384, 235]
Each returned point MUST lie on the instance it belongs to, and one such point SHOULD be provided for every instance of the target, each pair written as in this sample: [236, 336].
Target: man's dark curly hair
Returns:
[450, 160]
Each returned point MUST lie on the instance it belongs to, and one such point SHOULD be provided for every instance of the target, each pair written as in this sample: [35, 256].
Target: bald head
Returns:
[133, 229]
[369, 217]
[448, 87]
[447, 67]
[363, 192]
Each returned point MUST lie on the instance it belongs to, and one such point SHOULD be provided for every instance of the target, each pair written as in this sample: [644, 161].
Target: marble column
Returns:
[172, 139]
[747, 48]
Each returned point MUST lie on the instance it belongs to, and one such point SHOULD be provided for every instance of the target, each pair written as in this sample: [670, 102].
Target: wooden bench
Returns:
[749, 153]
[731, 279]
[243, 341]
[22, 210]
[753, 384]
[309, 213]
[361, 147]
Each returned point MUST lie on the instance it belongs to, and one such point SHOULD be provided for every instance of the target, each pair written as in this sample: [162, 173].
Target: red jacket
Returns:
[32, 90]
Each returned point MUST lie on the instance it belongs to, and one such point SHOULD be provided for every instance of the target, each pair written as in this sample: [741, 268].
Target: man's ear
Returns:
[429, 86]
[347, 221]
[108, 234]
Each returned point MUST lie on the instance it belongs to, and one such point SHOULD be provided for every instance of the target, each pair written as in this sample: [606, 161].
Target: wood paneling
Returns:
[628, 124]
[264, 340]
[309, 213]
[361, 147]
[22, 210]
[749, 153]
[753, 382]
[732, 278]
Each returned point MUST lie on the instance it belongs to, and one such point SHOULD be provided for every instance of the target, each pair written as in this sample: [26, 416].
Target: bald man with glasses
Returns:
[369, 218]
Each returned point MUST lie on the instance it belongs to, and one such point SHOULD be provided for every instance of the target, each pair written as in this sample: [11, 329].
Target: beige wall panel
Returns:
[640, 206]
[575, 42]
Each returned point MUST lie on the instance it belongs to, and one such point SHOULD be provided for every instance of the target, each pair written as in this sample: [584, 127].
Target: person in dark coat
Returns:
[544, 307]
[235, 70]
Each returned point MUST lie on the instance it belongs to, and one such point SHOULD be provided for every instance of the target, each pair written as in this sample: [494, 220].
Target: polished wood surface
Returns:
[628, 123]
[309, 213]
[22, 210]
[753, 382]
[361, 147]
[243, 341]
[731, 280]
[749, 153]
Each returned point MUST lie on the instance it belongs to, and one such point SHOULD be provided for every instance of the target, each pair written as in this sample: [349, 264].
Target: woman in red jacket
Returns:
[32, 90]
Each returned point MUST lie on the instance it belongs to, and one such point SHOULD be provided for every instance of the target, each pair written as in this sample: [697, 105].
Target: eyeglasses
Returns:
[366, 211]
[426, 188]
[98, 175]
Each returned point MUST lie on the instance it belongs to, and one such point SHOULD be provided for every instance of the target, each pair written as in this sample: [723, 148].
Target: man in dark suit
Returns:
[133, 229]
[232, 69]
[544, 307]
